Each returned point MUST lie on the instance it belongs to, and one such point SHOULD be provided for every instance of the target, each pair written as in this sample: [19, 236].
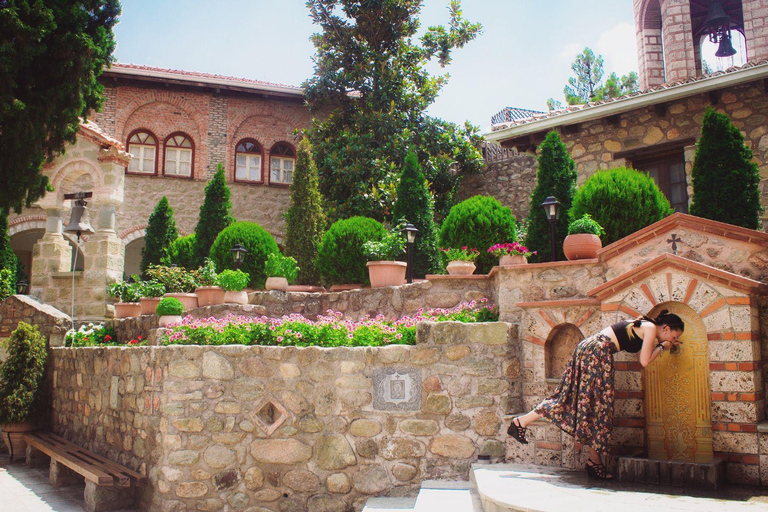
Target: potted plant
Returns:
[280, 271]
[511, 253]
[178, 283]
[128, 295]
[459, 262]
[234, 283]
[383, 270]
[21, 375]
[169, 309]
[151, 292]
[208, 290]
[583, 240]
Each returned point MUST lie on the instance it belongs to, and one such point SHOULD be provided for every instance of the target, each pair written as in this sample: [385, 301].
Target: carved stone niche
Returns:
[559, 347]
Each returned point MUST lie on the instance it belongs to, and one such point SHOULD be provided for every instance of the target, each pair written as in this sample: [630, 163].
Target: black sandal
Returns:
[597, 471]
[517, 431]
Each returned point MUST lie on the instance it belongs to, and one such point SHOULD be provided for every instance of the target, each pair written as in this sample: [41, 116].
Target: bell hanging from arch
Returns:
[79, 219]
[725, 49]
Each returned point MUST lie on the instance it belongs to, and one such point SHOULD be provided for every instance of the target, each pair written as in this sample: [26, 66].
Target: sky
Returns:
[522, 57]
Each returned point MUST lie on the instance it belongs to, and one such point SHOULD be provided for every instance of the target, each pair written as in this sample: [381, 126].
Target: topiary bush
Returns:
[256, 240]
[169, 306]
[622, 201]
[478, 222]
[181, 252]
[340, 256]
[233, 280]
[21, 375]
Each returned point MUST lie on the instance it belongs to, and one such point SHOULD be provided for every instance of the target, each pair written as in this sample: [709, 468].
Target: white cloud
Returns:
[570, 51]
[618, 48]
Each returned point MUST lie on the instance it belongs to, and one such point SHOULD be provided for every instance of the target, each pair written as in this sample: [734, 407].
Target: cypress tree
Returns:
[161, 231]
[725, 179]
[556, 176]
[415, 204]
[305, 220]
[214, 215]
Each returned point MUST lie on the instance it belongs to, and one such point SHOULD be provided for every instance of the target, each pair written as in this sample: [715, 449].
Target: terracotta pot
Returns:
[240, 297]
[188, 299]
[276, 283]
[386, 273]
[581, 246]
[17, 446]
[127, 309]
[460, 268]
[345, 287]
[513, 259]
[209, 295]
[169, 319]
[149, 305]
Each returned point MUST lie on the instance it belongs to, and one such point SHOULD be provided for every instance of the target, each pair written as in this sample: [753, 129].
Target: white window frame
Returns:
[252, 166]
[139, 145]
[176, 148]
[282, 162]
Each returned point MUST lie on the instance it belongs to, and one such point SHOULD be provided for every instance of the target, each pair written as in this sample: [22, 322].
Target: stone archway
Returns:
[677, 397]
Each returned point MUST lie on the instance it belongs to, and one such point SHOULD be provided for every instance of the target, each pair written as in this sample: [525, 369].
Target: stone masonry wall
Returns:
[52, 323]
[287, 428]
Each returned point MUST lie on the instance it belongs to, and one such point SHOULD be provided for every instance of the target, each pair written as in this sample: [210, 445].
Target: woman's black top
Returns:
[628, 339]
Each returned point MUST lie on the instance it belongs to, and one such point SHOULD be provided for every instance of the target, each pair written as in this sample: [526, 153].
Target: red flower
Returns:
[107, 338]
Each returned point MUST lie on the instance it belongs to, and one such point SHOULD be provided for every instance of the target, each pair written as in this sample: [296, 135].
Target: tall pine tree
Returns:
[161, 231]
[214, 215]
[556, 176]
[305, 220]
[725, 179]
[415, 204]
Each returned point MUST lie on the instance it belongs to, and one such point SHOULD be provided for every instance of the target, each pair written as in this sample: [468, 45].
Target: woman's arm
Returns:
[649, 351]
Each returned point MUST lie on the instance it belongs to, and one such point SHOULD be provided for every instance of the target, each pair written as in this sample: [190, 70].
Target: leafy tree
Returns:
[161, 232]
[415, 204]
[8, 258]
[305, 220]
[214, 215]
[725, 179]
[586, 84]
[371, 78]
[556, 176]
[51, 55]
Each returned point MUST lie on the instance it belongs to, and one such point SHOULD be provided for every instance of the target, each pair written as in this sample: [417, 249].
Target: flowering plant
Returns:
[513, 249]
[463, 254]
[89, 335]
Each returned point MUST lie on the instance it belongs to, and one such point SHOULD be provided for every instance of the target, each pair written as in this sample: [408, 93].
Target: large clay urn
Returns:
[460, 268]
[581, 246]
[127, 309]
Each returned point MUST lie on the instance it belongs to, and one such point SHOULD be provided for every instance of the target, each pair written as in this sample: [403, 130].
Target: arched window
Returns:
[281, 160]
[178, 156]
[142, 145]
[248, 161]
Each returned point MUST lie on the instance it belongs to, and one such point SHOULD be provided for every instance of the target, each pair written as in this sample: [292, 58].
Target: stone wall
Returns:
[287, 428]
[52, 323]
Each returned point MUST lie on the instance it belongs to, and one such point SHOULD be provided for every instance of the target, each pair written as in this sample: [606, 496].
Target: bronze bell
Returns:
[725, 49]
[79, 219]
[716, 17]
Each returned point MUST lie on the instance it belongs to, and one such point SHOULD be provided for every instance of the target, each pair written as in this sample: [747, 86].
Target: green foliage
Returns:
[173, 279]
[234, 280]
[340, 256]
[8, 258]
[621, 200]
[305, 220]
[151, 288]
[256, 241]
[390, 247]
[281, 266]
[214, 216]
[21, 375]
[726, 182]
[7, 284]
[585, 224]
[479, 222]
[206, 274]
[370, 48]
[459, 254]
[181, 252]
[556, 176]
[169, 306]
[89, 335]
[51, 56]
[161, 232]
[415, 205]
[125, 291]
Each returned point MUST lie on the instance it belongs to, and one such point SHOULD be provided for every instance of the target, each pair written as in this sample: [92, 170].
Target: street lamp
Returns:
[238, 254]
[410, 236]
[552, 210]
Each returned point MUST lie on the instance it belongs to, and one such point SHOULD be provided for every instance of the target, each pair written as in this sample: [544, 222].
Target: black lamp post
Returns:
[410, 236]
[238, 254]
[552, 210]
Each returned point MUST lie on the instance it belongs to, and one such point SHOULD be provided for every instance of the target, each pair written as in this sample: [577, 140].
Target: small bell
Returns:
[725, 49]
[79, 219]
[716, 17]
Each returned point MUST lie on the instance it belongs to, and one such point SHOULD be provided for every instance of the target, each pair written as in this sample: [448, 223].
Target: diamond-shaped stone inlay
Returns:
[269, 415]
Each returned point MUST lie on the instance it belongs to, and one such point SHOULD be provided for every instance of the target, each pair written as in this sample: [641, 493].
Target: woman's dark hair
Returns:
[671, 320]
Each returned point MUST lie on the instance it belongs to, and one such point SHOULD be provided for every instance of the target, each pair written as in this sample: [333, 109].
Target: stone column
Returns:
[51, 254]
[104, 258]
[679, 55]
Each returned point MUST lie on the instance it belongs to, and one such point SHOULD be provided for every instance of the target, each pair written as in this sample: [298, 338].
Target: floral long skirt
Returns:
[582, 404]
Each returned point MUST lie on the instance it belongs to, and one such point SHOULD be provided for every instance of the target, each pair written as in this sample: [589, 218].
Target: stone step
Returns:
[389, 504]
[442, 496]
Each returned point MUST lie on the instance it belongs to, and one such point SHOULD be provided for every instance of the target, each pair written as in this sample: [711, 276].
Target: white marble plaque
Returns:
[396, 389]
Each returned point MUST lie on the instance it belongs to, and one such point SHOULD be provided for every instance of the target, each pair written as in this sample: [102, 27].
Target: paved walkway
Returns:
[24, 489]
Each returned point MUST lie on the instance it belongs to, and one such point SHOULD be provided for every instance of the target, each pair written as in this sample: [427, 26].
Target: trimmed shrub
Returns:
[726, 182]
[161, 232]
[621, 200]
[181, 252]
[21, 375]
[169, 306]
[305, 221]
[234, 280]
[256, 241]
[478, 222]
[340, 256]
[214, 216]
[172, 279]
[556, 176]
[278, 265]
[415, 204]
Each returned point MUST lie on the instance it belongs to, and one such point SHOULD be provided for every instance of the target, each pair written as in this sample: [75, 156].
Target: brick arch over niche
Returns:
[124, 114]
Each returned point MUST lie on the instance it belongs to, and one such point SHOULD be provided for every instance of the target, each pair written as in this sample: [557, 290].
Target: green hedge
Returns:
[256, 241]
[340, 256]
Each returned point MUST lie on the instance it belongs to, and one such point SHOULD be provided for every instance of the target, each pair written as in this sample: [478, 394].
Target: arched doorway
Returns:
[23, 244]
[677, 398]
[133, 252]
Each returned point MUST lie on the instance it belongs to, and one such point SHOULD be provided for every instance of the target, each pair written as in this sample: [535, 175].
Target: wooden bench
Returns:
[108, 485]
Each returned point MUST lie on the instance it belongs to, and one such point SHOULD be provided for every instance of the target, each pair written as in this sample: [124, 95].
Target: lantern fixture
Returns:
[238, 254]
[552, 210]
[410, 237]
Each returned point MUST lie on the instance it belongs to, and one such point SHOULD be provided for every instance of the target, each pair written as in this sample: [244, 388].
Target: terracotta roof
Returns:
[92, 131]
[667, 86]
[511, 114]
